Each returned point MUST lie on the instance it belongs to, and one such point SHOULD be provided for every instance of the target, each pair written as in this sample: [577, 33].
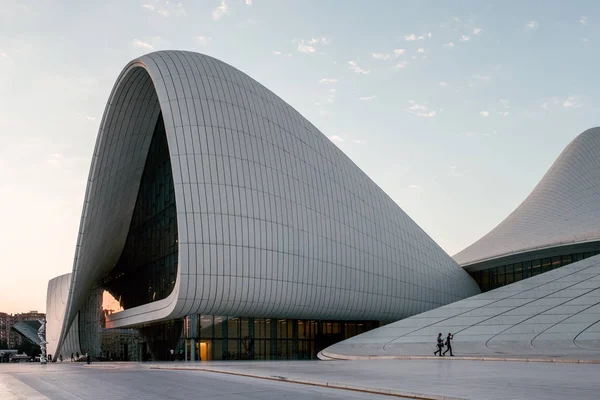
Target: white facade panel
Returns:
[273, 219]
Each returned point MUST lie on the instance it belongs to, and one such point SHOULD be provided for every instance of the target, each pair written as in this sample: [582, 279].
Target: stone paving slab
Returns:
[427, 379]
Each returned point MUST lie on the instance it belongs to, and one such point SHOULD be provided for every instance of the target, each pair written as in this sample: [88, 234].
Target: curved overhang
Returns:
[272, 218]
[560, 212]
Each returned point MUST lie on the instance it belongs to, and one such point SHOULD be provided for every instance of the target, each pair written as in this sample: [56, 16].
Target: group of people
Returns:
[440, 345]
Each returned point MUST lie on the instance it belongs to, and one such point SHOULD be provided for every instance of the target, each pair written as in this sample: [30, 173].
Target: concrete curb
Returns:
[325, 356]
[333, 385]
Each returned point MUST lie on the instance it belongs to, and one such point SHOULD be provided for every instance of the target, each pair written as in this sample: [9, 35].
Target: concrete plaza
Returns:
[425, 379]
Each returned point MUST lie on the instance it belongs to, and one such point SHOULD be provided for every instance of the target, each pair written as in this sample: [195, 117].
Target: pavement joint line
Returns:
[463, 358]
[342, 386]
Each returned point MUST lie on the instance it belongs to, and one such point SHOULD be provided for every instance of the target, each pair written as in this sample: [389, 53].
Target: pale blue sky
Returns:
[456, 109]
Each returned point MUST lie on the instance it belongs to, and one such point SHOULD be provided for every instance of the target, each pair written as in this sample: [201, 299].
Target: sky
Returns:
[455, 109]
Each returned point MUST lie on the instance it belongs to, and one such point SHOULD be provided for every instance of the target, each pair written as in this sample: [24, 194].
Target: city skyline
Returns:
[442, 108]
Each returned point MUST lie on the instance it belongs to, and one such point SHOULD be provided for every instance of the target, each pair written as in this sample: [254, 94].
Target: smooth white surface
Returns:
[273, 219]
[562, 209]
[56, 306]
[555, 314]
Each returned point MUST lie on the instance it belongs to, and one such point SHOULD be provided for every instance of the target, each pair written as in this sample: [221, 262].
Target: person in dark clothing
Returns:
[449, 345]
[72, 357]
[88, 357]
[440, 345]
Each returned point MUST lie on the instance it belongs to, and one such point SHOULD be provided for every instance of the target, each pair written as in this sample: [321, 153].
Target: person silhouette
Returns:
[448, 345]
[440, 345]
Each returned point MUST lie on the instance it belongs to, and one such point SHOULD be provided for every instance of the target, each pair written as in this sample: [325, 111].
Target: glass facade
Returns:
[231, 338]
[496, 277]
[147, 268]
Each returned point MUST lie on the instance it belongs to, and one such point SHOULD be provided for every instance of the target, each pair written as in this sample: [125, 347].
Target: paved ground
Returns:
[495, 380]
[135, 381]
[435, 379]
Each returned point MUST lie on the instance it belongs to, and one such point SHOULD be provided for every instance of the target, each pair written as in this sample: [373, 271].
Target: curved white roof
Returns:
[564, 208]
[273, 219]
[554, 314]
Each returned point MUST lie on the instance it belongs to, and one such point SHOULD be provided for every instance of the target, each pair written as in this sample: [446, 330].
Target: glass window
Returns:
[485, 281]
[536, 267]
[566, 260]
[499, 272]
[518, 272]
[556, 260]
[546, 264]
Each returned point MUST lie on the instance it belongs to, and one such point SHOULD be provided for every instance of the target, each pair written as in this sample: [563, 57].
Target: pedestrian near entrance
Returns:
[172, 354]
[448, 345]
[440, 345]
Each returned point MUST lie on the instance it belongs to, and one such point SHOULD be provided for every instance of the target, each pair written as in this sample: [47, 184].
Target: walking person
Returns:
[72, 357]
[440, 345]
[449, 345]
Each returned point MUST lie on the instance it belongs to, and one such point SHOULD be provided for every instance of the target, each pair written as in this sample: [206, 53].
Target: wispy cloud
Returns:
[220, 11]
[336, 138]
[484, 113]
[583, 20]
[358, 141]
[328, 81]
[449, 45]
[572, 102]
[412, 37]
[90, 118]
[367, 98]
[401, 64]
[249, 2]
[382, 56]
[464, 38]
[277, 53]
[532, 25]
[476, 31]
[443, 84]
[419, 110]
[142, 45]
[399, 52]
[204, 40]
[421, 50]
[3, 54]
[309, 46]
[415, 187]
[353, 66]
[166, 8]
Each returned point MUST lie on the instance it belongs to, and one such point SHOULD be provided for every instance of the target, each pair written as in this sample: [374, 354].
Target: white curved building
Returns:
[557, 224]
[553, 315]
[209, 195]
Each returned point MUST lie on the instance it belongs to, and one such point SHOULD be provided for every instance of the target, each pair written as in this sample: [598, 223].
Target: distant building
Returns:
[7, 321]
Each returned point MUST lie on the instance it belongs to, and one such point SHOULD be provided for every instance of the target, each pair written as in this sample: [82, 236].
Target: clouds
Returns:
[353, 66]
[204, 40]
[464, 38]
[166, 8]
[382, 56]
[412, 37]
[476, 31]
[572, 102]
[449, 45]
[339, 139]
[142, 45]
[583, 20]
[328, 81]
[419, 110]
[532, 25]
[556, 102]
[367, 98]
[484, 113]
[310, 46]
[220, 11]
